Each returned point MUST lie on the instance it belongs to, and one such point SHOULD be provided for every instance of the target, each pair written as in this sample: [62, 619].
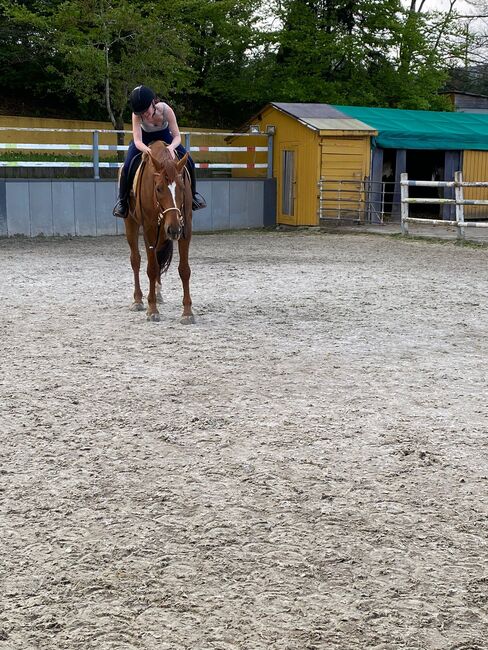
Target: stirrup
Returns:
[120, 209]
[198, 202]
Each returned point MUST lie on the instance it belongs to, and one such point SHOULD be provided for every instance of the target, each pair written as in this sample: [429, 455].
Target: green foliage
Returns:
[220, 34]
[26, 58]
[220, 60]
[112, 45]
[370, 52]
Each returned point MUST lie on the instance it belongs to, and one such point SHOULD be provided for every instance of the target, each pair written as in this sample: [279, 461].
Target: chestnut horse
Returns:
[160, 205]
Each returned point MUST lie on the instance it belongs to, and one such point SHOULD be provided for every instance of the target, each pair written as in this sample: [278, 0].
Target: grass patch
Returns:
[463, 243]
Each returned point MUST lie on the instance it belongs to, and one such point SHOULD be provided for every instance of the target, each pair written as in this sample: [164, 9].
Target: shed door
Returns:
[288, 194]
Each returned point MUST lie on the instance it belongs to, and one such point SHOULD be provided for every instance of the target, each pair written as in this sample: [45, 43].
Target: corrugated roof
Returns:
[337, 124]
[322, 117]
[304, 111]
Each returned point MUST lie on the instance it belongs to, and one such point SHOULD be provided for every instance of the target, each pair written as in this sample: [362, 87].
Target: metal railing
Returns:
[458, 201]
[95, 147]
[359, 201]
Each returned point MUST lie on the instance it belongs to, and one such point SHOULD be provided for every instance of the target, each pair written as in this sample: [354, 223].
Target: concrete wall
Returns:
[84, 207]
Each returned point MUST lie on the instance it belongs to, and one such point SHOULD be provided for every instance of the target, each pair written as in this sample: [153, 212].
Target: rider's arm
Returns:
[173, 127]
[137, 133]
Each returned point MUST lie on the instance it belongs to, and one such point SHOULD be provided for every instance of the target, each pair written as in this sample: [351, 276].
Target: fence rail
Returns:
[360, 201]
[458, 201]
[96, 148]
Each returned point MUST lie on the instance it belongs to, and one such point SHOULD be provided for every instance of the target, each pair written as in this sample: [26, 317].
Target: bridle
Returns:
[161, 214]
[181, 220]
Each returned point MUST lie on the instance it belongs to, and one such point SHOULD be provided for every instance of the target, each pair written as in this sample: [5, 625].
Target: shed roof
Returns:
[322, 117]
[397, 128]
[405, 129]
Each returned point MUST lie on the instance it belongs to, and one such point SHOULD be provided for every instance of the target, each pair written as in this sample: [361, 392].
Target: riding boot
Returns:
[198, 201]
[122, 205]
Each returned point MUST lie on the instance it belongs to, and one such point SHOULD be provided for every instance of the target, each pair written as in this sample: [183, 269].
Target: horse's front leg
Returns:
[132, 236]
[187, 318]
[153, 270]
[159, 297]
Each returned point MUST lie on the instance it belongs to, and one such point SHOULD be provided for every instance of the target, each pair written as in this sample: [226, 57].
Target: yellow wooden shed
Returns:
[312, 141]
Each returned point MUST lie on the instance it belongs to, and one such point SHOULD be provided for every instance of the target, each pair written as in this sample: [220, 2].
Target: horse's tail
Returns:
[164, 255]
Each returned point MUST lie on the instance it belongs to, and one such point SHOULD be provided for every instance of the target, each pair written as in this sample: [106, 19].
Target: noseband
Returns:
[181, 220]
[161, 214]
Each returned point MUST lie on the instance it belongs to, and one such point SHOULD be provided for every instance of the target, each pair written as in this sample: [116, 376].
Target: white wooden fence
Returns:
[459, 201]
[95, 147]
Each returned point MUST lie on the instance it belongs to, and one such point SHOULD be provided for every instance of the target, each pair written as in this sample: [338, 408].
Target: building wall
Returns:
[340, 155]
[344, 163]
[466, 103]
[84, 207]
[345, 157]
[291, 135]
[475, 169]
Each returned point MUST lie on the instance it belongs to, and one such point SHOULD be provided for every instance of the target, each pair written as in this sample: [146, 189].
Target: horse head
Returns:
[169, 192]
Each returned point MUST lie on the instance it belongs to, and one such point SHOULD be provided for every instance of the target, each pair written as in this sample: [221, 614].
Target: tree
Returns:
[371, 52]
[29, 82]
[220, 34]
[109, 46]
[469, 73]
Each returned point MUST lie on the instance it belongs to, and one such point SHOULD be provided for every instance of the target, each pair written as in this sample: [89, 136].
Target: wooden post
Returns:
[404, 204]
[459, 195]
[96, 156]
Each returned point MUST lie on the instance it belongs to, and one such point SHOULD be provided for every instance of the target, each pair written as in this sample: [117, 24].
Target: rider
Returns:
[152, 120]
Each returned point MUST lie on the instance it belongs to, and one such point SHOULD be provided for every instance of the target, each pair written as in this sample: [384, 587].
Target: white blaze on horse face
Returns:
[172, 189]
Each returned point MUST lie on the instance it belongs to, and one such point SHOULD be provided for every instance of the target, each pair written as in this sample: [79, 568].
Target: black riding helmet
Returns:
[141, 98]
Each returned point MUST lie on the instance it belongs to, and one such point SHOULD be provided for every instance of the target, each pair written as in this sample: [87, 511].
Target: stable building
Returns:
[345, 162]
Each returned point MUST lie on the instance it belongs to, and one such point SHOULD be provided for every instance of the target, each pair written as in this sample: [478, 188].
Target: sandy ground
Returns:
[305, 468]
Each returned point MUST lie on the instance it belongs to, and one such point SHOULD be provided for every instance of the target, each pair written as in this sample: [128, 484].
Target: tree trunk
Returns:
[119, 126]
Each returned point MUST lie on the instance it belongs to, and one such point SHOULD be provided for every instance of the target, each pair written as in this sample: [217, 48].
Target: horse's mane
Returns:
[169, 166]
[162, 155]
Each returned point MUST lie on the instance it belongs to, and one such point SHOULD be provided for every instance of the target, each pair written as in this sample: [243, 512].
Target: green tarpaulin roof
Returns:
[401, 129]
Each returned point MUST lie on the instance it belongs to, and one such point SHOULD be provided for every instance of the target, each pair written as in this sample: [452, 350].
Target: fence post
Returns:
[96, 156]
[404, 204]
[459, 195]
[187, 142]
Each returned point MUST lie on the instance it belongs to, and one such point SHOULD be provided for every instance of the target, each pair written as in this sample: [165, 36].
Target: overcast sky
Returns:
[461, 5]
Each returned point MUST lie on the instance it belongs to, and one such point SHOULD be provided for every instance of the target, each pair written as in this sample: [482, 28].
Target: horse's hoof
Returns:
[154, 318]
[188, 320]
[137, 306]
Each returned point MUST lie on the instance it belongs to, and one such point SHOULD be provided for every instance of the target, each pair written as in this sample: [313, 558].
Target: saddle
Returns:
[135, 169]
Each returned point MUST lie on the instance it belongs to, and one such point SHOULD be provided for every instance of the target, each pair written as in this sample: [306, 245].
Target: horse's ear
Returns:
[181, 163]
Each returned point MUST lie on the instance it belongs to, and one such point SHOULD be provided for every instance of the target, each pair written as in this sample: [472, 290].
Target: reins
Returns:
[181, 221]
